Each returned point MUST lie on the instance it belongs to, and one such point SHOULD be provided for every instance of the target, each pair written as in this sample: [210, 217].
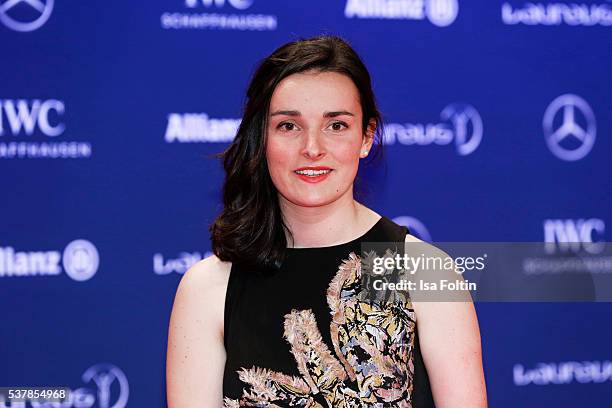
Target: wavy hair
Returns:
[250, 229]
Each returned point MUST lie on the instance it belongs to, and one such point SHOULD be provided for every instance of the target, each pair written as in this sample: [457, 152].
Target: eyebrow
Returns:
[332, 114]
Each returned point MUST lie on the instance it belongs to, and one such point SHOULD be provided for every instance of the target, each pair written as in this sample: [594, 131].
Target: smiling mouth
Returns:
[312, 173]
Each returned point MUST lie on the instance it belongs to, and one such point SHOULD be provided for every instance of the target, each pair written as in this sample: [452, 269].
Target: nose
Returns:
[313, 146]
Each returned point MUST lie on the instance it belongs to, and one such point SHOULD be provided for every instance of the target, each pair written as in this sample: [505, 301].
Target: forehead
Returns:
[316, 92]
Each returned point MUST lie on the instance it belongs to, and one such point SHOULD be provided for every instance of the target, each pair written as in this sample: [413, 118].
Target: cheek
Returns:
[277, 155]
[348, 153]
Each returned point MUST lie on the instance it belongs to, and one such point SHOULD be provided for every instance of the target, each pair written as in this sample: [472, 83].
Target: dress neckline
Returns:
[359, 238]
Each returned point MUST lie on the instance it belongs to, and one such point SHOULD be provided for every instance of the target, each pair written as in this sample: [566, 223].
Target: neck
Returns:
[331, 224]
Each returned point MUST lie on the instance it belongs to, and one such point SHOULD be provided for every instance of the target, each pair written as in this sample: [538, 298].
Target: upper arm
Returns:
[196, 356]
[450, 343]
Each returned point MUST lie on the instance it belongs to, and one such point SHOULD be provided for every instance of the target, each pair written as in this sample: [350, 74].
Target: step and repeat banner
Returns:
[499, 128]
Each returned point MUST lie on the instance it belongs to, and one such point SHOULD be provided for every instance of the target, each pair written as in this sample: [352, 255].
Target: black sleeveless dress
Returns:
[301, 338]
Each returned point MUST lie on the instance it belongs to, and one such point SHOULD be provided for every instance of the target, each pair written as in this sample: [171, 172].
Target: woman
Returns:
[274, 318]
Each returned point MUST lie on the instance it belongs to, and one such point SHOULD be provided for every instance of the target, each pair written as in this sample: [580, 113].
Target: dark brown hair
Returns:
[250, 229]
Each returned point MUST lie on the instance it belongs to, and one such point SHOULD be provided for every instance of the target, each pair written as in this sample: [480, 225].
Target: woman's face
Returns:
[315, 128]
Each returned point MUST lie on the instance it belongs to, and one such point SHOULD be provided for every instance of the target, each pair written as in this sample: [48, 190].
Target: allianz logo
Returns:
[460, 123]
[26, 117]
[557, 13]
[439, 12]
[574, 235]
[165, 266]
[199, 127]
[79, 259]
[563, 373]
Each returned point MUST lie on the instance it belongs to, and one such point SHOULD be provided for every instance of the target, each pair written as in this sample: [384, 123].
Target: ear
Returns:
[368, 138]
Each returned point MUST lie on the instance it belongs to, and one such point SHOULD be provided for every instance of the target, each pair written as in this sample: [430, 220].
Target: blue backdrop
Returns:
[499, 129]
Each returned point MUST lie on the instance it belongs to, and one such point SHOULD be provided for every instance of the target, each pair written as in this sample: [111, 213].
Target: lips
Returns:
[313, 174]
[313, 170]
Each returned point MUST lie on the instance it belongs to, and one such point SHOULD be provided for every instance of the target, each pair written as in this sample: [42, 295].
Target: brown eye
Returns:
[337, 126]
[286, 126]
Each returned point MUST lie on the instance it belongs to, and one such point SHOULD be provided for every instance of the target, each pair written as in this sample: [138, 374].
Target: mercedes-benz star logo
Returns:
[568, 106]
[25, 15]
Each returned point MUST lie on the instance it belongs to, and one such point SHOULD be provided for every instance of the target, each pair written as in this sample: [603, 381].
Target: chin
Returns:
[314, 201]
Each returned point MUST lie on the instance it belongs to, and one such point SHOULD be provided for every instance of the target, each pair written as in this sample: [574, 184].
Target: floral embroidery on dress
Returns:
[371, 364]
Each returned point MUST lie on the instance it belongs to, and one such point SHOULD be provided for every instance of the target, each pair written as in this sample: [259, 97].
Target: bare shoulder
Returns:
[446, 304]
[196, 355]
[412, 238]
[450, 344]
[209, 274]
[455, 307]
[201, 291]
[423, 246]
